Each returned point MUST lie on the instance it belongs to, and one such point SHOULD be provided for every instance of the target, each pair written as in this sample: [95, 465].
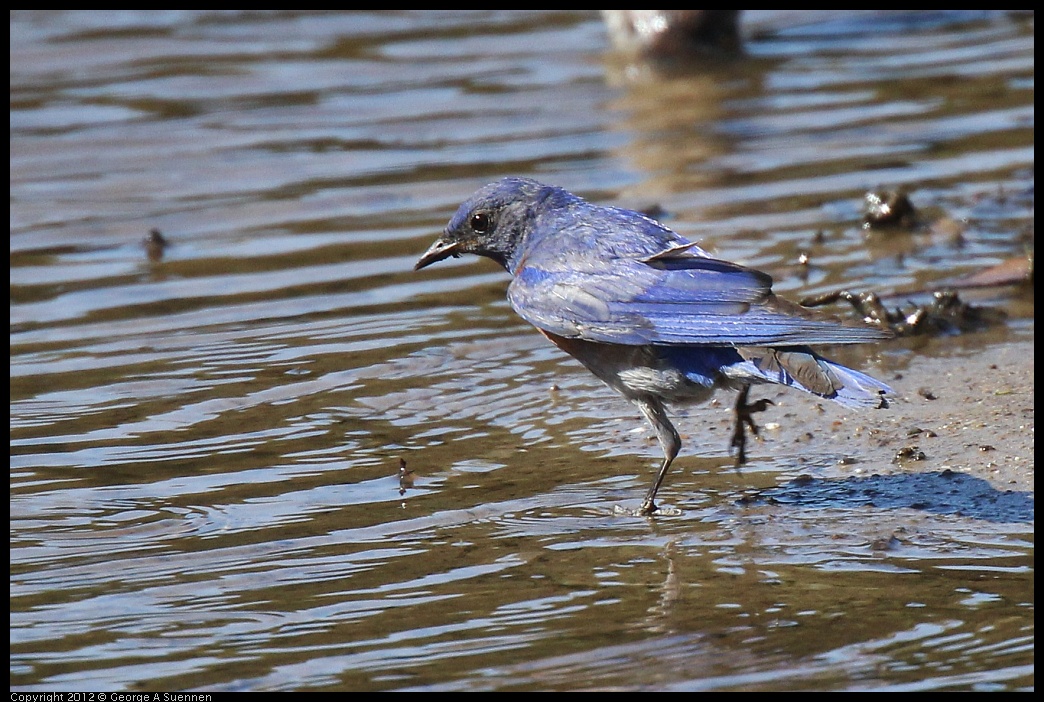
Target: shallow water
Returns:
[206, 439]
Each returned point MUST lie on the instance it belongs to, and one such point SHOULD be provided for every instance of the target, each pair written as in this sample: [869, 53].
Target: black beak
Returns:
[436, 252]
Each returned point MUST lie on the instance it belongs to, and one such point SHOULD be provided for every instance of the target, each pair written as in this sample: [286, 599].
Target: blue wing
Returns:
[678, 296]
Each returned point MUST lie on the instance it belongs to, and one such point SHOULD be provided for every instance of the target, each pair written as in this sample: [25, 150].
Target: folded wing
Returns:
[679, 296]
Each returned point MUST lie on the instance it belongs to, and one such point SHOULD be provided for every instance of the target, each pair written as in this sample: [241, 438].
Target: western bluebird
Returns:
[651, 314]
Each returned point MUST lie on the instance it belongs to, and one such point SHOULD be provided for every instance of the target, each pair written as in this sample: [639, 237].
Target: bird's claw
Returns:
[744, 419]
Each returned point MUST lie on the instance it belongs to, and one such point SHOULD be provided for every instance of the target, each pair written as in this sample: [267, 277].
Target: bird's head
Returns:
[493, 222]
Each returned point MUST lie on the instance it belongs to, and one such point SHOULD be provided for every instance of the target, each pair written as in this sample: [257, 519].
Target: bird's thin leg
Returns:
[670, 442]
[743, 417]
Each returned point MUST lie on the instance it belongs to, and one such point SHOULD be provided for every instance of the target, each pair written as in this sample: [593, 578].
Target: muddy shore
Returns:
[957, 438]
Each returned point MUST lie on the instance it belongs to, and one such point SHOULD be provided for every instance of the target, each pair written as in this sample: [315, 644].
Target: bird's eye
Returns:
[480, 222]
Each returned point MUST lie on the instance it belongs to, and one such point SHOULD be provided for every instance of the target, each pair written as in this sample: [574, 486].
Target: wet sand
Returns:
[957, 436]
[974, 413]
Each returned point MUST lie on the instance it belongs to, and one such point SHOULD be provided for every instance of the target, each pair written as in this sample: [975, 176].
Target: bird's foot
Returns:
[744, 420]
[648, 509]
